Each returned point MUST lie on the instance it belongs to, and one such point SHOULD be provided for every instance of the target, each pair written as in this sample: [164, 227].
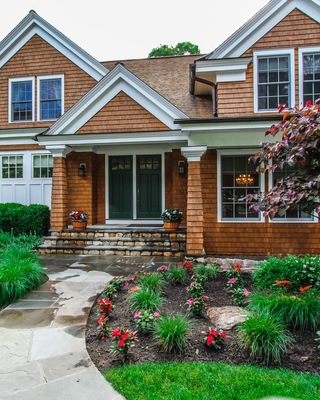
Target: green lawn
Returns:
[210, 381]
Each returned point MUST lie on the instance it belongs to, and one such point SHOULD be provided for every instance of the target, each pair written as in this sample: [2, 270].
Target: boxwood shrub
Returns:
[18, 219]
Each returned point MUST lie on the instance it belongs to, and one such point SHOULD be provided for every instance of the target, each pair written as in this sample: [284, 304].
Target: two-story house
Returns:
[122, 141]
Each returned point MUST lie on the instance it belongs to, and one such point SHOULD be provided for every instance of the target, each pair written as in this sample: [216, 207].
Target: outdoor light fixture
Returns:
[82, 170]
[181, 167]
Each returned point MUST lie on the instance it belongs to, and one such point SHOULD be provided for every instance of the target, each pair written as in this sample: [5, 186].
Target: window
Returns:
[12, 167]
[50, 97]
[21, 100]
[42, 166]
[237, 181]
[274, 79]
[309, 74]
[291, 213]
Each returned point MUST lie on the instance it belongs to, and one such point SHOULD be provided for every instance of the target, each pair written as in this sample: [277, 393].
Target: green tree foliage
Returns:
[179, 50]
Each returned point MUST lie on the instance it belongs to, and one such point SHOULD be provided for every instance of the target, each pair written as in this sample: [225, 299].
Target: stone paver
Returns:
[42, 336]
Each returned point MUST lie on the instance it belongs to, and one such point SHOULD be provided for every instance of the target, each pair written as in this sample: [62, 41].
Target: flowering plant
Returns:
[79, 216]
[109, 291]
[122, 341]
[186, 265]
[214, 338]
[106, 307]
[118, 282]
[199, 278]
[144, 320]
[103, 329]
[162, 270]
[174, 215]
[195, 289]
[196, 304]
[284, 285]
[239, 294]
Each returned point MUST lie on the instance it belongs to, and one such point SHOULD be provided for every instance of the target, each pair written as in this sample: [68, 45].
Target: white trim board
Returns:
[32, 25]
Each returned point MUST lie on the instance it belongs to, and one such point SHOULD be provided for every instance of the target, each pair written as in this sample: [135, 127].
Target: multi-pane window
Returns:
[12, 167]
[50, 98]
[21, 101]
[291, 213]
[149, 162]
[238, 180]
[42, 166]
[273, 82]
[121, 163]
[311, 77]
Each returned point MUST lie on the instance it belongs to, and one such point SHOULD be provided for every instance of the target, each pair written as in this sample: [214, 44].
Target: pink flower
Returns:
[232, 280]
[165, 268]
[121, 276]
[126, 283]
[193, 283]
[156, 314]
[190, 302]
[246, 292]
[136, 315]
[187, 287]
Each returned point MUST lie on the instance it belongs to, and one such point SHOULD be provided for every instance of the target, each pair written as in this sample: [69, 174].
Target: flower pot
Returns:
[170, 226]
[79, 225]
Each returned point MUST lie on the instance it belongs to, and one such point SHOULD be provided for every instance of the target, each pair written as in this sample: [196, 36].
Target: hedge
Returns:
[18, 219]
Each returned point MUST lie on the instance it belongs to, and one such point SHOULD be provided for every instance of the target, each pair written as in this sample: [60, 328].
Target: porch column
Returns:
[194, 201]
[59, 196]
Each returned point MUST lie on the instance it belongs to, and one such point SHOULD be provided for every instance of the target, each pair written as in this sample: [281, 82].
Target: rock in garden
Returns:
[225, 318]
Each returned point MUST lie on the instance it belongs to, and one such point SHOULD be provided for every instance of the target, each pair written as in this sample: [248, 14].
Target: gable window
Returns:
[274, 79]
[50, 97]
[12, 167]
[42, 166]
[238, 179]
[309, 69]
[291, 214]
[21, 100]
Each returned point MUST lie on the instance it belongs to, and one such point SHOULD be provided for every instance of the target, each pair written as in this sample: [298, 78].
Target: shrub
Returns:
[152, 281]
[20, 272]
[301, 272]
[302, 312]
[171, 332]
[144, 299]
[210, 271]
[265, 336]
[177, 275]
[19, 219]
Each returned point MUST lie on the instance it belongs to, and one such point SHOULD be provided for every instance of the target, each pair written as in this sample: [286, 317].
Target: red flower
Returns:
[214, 333]
[132, 335]
[209, 342]
[278, 282]
[116, 333]
[121, 343]
[308, 103]
[210, 338]
[223, 335]
[305, 288]
[101, 307]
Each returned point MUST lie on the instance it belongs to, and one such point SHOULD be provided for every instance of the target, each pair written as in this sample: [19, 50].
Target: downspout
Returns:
[194, 78]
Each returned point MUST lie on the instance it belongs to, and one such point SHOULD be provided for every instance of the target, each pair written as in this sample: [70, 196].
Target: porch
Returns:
[132, 239]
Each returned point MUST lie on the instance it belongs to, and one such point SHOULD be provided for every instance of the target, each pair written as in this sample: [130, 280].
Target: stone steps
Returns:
[142, 242]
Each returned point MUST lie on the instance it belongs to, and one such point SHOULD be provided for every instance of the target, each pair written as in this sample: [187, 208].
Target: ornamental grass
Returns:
[144, 299]
[153, 281]
[210, 271]
[177, 275]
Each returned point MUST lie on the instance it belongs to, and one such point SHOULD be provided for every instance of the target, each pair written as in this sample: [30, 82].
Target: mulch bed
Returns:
[146, 350]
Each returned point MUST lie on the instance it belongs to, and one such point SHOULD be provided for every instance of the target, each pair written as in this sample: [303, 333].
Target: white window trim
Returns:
[235, 152]
[13, 80]
[46, 77]
[32, 165]
[23, 169]
[288, 220]
[301, 52]
[268, 53]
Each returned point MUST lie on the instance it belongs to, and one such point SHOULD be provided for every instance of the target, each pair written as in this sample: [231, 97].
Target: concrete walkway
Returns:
[42, 337]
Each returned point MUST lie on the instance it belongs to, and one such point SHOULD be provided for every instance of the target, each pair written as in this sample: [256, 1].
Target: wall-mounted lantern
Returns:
[181, 167]
[82, 170]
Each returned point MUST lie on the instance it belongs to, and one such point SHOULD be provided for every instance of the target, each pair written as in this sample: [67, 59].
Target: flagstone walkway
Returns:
[42, 336]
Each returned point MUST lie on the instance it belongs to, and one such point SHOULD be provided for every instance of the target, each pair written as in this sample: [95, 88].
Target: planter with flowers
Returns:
[79, 220]
[171, 219]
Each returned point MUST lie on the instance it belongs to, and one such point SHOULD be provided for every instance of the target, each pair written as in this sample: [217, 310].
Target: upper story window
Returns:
[309, 68]
[21, 100]
[273, 79]
[238, 179]
[50, 97]
[12, 167]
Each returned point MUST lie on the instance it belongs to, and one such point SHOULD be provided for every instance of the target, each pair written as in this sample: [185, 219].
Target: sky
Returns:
[111, 30]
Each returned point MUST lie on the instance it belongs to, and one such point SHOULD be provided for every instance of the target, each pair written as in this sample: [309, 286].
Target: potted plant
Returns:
[171, 219]
[79, 220]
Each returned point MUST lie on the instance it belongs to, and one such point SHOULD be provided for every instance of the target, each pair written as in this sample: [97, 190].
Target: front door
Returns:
[149, 186]
[120, 187]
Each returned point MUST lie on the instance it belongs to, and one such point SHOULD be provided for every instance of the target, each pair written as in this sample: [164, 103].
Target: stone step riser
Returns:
[124, 252]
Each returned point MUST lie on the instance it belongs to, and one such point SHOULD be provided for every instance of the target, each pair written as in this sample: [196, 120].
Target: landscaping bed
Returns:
[304, 356]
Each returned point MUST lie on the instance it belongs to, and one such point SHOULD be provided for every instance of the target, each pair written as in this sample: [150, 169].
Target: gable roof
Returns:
[117, 80]
[264, 20]
[169, 76]
[33, 24]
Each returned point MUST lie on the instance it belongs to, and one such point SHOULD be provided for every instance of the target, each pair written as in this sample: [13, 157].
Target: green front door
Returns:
[120, 187]
[149, 186]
